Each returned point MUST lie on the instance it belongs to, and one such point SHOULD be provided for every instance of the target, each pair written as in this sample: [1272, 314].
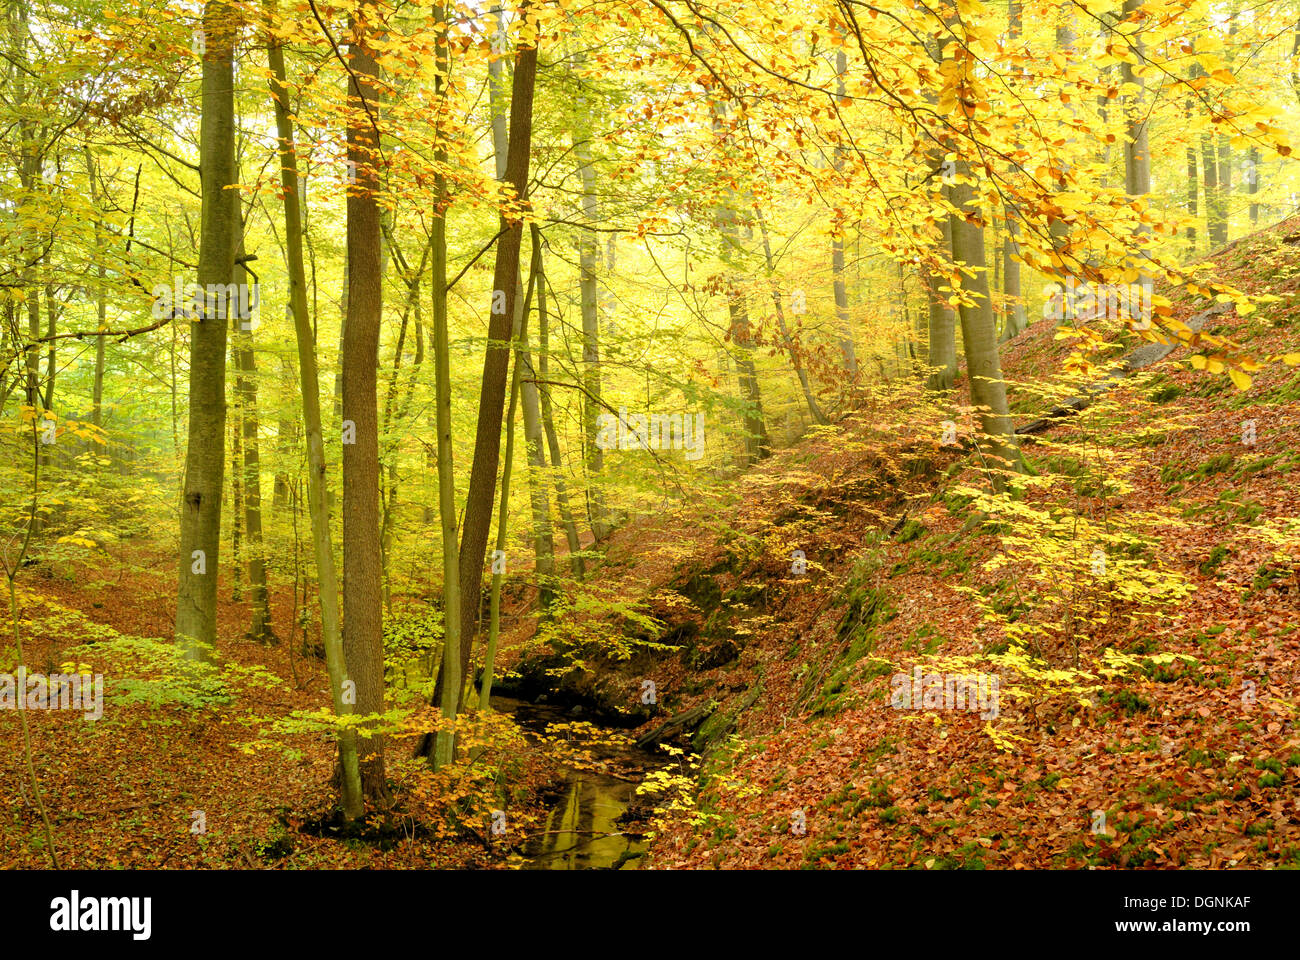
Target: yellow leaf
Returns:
[1242, 380]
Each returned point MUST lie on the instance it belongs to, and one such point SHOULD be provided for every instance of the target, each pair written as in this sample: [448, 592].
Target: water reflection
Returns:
[581, 832]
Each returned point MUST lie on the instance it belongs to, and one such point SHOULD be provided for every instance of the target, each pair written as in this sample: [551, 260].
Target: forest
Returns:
[649, 435]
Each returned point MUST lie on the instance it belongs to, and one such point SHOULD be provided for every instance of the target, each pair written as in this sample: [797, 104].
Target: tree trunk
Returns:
[837, 249]
[983, 366]
[101, 299]
[1192, 191]
[589, 294]
[1225, 185]
[1252, 184]
[539, 490]
[942, 356]
[363, 648]
[791, 347]
[237, 511]
[259, 628]
[492, 397]
[200, 542]
[1015, 315]
[543, 538]
[1137, 150]
[576, 566]
[51, 355]
[309, 383]
[499, 569]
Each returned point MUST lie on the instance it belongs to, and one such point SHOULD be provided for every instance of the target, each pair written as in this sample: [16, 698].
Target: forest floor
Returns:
[1194, 763]
[783, 674]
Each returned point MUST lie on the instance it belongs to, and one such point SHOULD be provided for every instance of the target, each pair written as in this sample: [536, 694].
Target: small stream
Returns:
[581, 831]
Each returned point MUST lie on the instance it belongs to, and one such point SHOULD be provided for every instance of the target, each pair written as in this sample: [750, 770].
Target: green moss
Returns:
[1216, 557]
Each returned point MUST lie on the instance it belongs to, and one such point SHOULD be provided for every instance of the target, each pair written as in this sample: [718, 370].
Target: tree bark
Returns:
[259, 628]
[589, 295]
[200, 546]
[576, 566]
[492, 395]
[309, 383]
[363, 648]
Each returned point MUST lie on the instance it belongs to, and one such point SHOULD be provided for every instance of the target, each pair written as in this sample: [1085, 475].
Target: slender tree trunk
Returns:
[543, 538]
[51, 355]
[1192, 191]
[259, 628]
[837, 249]
[200, 546]
[791, 347]
[1225, 185]
[1252, 184]
[309, 383]
[492, 398]
[286, 448]
[101, 298]
[1137, 149]
[757, 445]
[539, 489]
[487, 446]
[34, 395]
[589, 295]
[237, 512]
[1015, 315]
[1215, 226]
[576, 566]
[1058, 229]
[499, 569]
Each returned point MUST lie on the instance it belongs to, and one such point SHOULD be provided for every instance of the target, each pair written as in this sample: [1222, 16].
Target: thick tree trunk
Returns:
[757, 445]
[200, 546]
[363, 648]
[983, 365]
[942, 357]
